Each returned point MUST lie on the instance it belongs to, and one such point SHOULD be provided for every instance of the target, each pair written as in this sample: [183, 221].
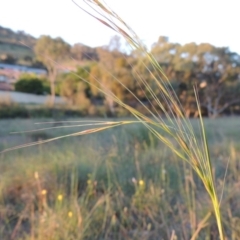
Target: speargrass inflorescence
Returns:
[175, 125]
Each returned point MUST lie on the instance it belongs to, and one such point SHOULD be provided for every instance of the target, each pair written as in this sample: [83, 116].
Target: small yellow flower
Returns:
[60, 197]
[44, 192]
[141, 182]
[70, 214]
[89, 182]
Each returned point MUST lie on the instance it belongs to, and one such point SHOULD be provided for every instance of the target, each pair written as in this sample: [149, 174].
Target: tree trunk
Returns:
[52, 83]
[52, 77]
[110, 103]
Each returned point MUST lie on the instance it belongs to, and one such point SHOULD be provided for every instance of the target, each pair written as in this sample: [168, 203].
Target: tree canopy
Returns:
[51, 52]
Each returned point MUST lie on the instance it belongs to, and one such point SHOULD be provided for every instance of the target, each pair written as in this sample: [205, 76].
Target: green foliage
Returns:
[46, 86]
[68, 88]
[30, 84]
[75, 88]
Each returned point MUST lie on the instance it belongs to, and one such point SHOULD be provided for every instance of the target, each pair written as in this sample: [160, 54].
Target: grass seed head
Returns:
[44, 192]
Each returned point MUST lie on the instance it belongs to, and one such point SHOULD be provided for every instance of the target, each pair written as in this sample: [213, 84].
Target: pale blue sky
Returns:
[213, 21]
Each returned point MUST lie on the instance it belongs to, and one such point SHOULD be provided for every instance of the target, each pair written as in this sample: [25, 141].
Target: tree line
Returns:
[214, 71]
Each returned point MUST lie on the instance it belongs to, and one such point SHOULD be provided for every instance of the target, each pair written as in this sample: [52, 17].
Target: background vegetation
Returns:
[214, 70]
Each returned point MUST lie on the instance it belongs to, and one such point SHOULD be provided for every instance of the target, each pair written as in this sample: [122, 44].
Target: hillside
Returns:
[9, 36]
[16, 48]
[13, 49]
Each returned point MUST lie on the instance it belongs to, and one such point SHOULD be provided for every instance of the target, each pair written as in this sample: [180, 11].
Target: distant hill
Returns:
[13, 49]
[16, 48]
[9, 36]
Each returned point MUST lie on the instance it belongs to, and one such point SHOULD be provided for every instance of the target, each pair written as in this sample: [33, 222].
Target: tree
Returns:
[82, 52]
[216, 72]
[220, 86]
[115, 44]
[51, 51]
[68, 89]
[74, 88]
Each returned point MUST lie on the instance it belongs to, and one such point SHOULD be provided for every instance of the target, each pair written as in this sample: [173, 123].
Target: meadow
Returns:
[121, 183]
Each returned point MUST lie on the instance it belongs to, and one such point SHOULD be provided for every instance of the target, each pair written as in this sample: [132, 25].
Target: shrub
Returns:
[33, 85]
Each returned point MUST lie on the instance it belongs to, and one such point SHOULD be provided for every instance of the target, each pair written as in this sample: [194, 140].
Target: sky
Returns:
[183, 21]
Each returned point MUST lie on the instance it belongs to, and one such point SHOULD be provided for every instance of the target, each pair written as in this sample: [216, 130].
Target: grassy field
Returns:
[118, 184]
